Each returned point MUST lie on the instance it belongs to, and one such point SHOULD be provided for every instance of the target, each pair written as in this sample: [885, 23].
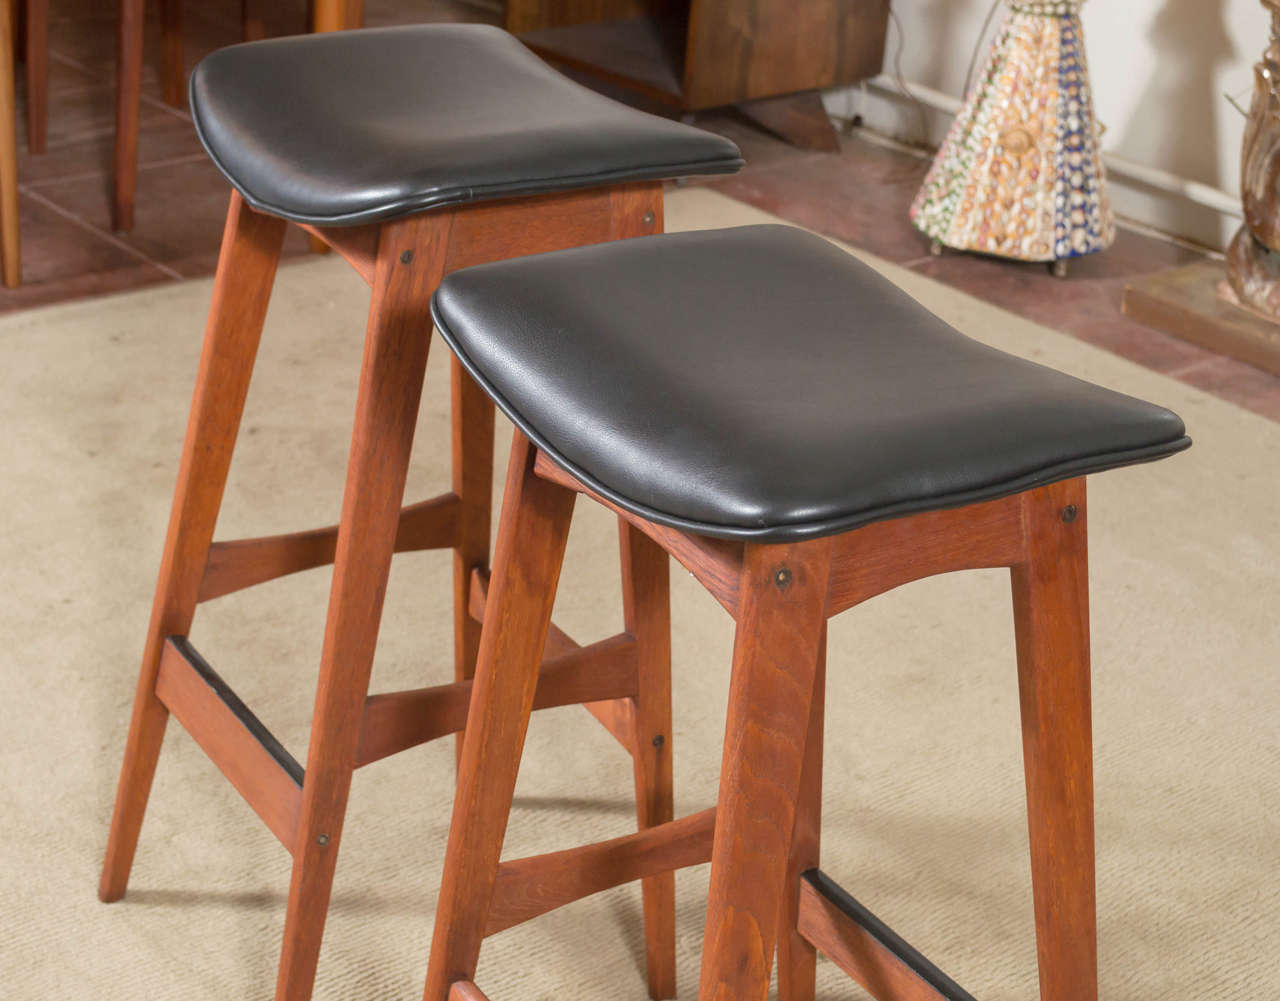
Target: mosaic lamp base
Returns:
[1020, 174]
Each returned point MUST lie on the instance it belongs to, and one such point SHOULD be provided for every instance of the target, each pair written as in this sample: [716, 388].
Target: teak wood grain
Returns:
[10, 236]
[860, 954]
[1051, 620]
[471, 442]
[797, 958]
[887, 554]
[775, 658]
[396, 721]
[246, 268]
[530, 548]
[241, 563]
[411, 256]
[716, 563]
[36, 50]
[273, 794]
[646, 602]
[528, 887]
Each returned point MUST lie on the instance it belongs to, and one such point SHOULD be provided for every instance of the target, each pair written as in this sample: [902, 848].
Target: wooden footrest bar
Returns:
[528, 887]
[396, 721]
[615, 714]
[866, 948]
[263, 772]
[233, 566]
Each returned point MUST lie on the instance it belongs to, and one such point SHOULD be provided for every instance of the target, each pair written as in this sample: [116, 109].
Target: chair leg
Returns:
[246, 271]
[782, 612]
[797, 958]
[1051, 615]
[128, 100]
[37, 45]
[173, 72]
[252, 24]
[531, 541]
[410, 264]
[646, 591]
[473, 419]
[10, 236]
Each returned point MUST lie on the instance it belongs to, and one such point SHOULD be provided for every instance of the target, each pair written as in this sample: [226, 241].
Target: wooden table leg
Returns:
[9, 238]
[173, 71]
[128, 98]
[37, 47]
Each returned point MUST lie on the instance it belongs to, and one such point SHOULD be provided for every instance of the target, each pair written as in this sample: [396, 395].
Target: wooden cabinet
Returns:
[696, 54]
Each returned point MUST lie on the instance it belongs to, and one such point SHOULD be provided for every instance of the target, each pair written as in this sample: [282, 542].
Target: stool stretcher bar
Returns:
[270, 779]
[262, 771]
[241, 563]
[528, 887]
[866, 948]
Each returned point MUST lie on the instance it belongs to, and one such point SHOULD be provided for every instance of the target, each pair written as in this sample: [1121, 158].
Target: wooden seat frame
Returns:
[624, 680]
[762, 838]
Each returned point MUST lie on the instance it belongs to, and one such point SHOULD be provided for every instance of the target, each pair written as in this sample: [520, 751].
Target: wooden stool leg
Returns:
[128, 99]
[246, 270]
[1051, 614]
[646, 593]
[37, 45]
[531, 541]
[410, 264]
[473, 414]
[781, 616]
[173, 72]
[797, 958]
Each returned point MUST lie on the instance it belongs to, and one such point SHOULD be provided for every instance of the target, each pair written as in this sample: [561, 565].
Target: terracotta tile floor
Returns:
[860, 195]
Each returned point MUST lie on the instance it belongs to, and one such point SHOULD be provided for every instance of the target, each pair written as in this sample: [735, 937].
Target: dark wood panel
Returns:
[645, 54]
[739, 50]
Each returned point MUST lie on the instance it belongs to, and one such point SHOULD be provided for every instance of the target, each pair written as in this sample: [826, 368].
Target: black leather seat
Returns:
[357, 126]
[761, 383]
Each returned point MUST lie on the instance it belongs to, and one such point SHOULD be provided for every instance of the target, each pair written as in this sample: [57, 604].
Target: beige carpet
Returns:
[924, 807]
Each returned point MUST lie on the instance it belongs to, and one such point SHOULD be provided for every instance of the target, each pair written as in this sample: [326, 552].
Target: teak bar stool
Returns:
[801, 435]
[412, 152]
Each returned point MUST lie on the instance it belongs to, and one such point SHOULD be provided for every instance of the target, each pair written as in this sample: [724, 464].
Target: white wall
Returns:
[1160, 69]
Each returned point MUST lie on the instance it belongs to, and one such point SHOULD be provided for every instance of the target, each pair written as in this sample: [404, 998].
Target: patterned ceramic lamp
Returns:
[1020, 174]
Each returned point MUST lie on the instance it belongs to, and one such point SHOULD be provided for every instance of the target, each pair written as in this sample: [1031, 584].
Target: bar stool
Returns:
[412, 152]
[801, 436]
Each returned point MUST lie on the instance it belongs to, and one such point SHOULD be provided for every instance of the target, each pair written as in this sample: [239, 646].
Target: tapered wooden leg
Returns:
[797, 958]
[246, 270]
[252, 25]
[646, 594]
[10, 240]
[37, 45]
[780, 621]
[531, 541]
[172, 71]
[128, 99]
[1051, 614]
[473, 415]
[410, 264]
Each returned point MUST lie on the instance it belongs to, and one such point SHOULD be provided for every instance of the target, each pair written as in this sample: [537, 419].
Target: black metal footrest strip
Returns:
[236, 706]
[891, 941]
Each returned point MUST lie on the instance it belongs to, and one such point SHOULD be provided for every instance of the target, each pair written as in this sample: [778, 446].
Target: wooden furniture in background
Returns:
[10, 242]
[768, 57]
[324, 15]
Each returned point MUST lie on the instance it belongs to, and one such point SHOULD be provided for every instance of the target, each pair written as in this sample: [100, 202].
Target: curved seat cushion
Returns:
[761, 383]
[355, 126]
